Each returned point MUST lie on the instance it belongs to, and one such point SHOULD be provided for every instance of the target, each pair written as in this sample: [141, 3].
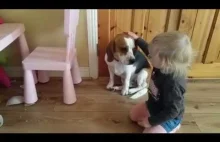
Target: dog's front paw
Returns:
[110, 86]
[124, 91]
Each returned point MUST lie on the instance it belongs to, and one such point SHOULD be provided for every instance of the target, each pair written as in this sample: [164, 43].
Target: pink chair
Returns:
[44, 59]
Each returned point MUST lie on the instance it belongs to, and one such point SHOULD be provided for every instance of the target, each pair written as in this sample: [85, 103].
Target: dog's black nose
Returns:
[132, 61]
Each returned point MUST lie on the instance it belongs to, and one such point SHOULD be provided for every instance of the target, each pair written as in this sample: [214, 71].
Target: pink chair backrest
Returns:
[71, 18]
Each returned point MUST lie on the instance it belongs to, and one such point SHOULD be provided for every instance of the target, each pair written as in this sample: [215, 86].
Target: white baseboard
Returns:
[18, 72]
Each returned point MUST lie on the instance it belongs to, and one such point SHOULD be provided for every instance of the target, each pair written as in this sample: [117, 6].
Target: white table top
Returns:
[9, 32]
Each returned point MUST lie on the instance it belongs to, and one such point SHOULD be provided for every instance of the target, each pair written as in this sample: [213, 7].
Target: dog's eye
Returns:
[124, 49]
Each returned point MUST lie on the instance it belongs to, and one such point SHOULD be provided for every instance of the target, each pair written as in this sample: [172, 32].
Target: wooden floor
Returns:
[100, 111]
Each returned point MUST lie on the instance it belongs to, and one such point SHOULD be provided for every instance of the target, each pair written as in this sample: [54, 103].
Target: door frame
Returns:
[92, 32]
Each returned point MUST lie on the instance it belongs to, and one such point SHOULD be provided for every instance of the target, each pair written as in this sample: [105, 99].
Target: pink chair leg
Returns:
[35, 77]
[75, 71]
[69, 95]
[25, 51]
[43, 76]
[30, 93]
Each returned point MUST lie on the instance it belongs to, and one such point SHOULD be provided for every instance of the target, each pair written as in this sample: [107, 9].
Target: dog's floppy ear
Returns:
[111, 50]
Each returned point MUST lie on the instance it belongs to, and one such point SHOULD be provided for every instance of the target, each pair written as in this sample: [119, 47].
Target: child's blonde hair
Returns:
[175, 52]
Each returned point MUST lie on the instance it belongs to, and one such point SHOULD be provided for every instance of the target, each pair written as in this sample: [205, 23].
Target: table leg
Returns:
[25, 51]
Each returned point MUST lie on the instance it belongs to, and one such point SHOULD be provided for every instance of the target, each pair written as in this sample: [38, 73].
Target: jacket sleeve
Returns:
[173, 104]
[143, 45]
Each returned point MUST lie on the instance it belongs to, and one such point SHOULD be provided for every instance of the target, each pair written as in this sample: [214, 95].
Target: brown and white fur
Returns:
[120, 60]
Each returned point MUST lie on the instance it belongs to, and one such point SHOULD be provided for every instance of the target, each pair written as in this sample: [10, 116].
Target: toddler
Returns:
[170, 54]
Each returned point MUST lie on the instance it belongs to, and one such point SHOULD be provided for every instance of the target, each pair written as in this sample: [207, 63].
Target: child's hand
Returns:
[144, 123]
[133, 35]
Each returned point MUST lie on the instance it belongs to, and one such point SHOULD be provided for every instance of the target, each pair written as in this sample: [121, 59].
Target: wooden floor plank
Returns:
[79, 122]
[208, 123]
[202, 98]
[98, 110]
[196, 107]
[66, 122]
[189, 125]
[98, 103]
[44, 103]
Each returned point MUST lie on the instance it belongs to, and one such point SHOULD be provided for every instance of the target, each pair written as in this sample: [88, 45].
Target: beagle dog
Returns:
[126, 60]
